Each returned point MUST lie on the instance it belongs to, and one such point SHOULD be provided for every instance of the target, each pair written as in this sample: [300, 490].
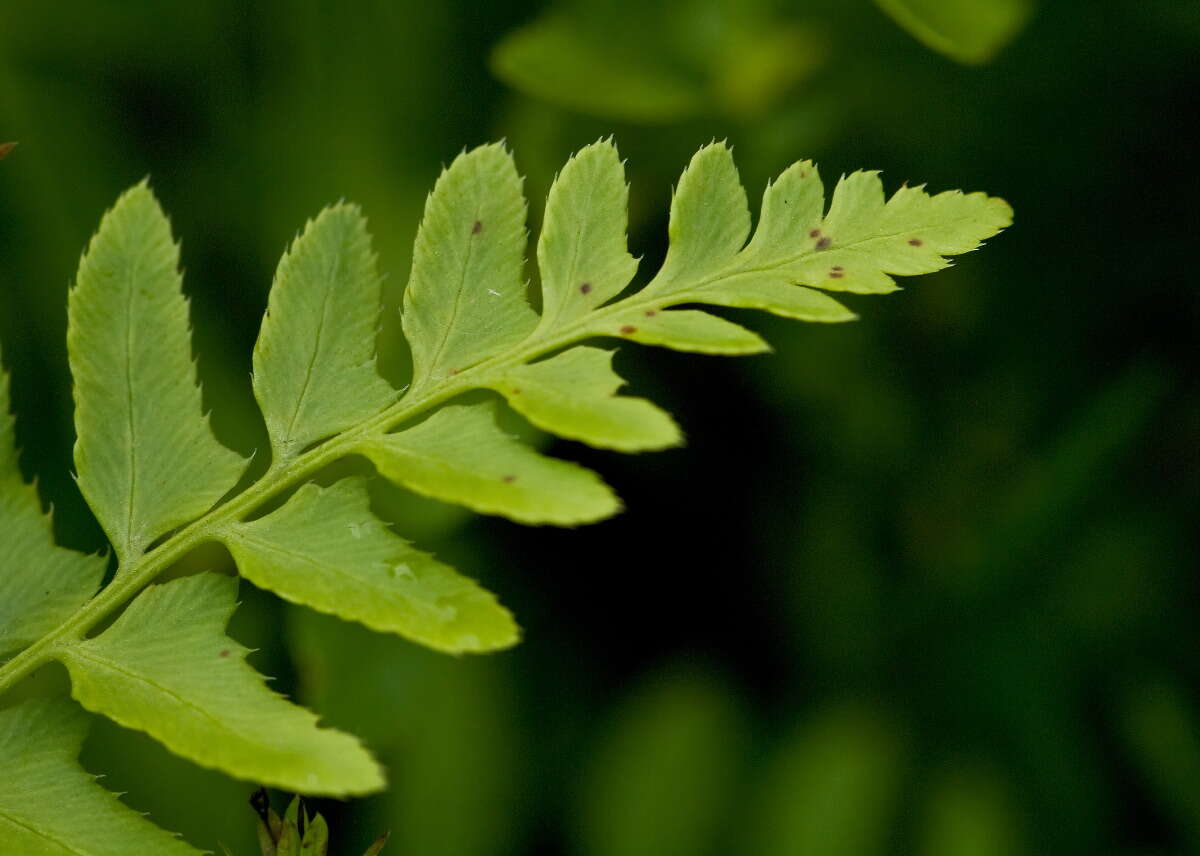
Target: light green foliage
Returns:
[314, 363]
[582, 253]
[574, 395]
[466, 297]
[853, 247]
[687, 330]
[325, 549]
[146, 457]
[166, 667]
[152, 470]
[50, 806]
[461, 455]
[970, 31]
[41, 584]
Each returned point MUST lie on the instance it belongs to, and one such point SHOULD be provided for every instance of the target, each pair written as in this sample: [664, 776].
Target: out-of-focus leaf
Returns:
[831, 789]
[969, 813]
[1162, 731]
[666, 773]
[970, 31]
[661, 62]
[556, 59]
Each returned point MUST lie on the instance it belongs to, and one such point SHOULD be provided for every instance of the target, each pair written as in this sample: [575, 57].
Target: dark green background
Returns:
[924, 584]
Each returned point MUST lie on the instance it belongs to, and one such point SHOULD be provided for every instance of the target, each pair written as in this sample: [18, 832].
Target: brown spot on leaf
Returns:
[815, 233]
[224, 652]
[824, 243]
[509, 479]
[477, 228]
[650, 313]
[5, 148]
[453, 372]
[586, 288]
[836, 274]
[804, 175]
[915, 242]
[627, 329]
[515, 391]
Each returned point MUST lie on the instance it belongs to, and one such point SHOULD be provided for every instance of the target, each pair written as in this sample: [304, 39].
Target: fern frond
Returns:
[146, 456]
[154, 474]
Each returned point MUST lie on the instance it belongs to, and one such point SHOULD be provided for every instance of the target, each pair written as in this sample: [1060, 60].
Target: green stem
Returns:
[285, 474]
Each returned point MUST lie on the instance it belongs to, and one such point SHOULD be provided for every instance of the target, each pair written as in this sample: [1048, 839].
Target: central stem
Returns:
[282, 475]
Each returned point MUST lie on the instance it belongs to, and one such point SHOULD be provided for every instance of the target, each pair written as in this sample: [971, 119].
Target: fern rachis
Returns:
[469, 328]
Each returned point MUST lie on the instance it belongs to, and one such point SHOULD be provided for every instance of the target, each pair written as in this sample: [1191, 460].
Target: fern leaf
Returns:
[582, 253]
[41, 584]
[50, 806]
[574, 395]
[146, 456]
[314, 363]
[325, 549]
[854, 247]
[969, 31]
[685, 330]
[710, 217]
[465, 300]
[461, 455]
[166, 667]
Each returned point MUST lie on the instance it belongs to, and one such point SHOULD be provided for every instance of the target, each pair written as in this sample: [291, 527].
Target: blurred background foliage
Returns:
[925, 584]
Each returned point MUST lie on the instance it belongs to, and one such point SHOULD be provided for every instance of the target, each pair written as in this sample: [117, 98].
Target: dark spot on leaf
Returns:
[650, 313]
[515, 391]
[5, 148]
[477, 228]
[824, 243]
[915, 242]
[837, 268]
[627, 329]
[509, 479]
[815, 233]
[224, 652]
[836, 274]
[586, 288]
[804, 175]
[454, 372]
